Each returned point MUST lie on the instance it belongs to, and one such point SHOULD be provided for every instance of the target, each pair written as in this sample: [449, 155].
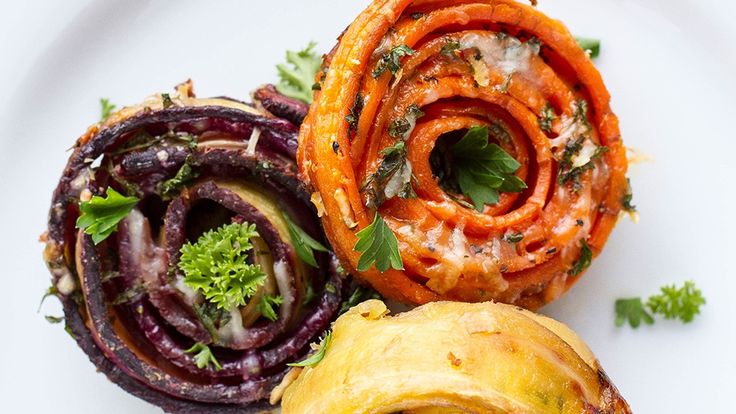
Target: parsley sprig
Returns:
[482, 169]
[101, 215]
[303, 243]
[672, 303]
[216, 265]
[106, 108]
[267, 304]
[203, 356]
[591, 46]
[318, 355]
[377, 244]
[298, 74]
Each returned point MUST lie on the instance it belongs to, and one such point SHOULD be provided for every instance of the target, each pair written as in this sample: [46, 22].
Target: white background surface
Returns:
[669, 65]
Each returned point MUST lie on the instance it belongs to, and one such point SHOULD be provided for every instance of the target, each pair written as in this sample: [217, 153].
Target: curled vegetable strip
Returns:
[425, 72]
[447, 357]
[180, 172]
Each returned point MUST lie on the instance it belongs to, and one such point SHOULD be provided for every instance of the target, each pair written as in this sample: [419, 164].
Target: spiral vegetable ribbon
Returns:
[451, 357]
[411, 75]
[193, 165]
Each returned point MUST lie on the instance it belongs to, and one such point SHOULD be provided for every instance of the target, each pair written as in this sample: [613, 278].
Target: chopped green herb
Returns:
[482, 169]
[417, 15]
[450, 47]
[632, 310]
[513, 237]
[673, 303]
[627, 198]
[166, 100]
[546, 118]
[377, 244]
[184, 176]
[568, 173]
[354, 115]
[580, 113]
[583, 262]
[318, 355]
[106, 108]
[266, 306]
[100, 216]
[330, 288]
[297, 76]
[54, 319]
[303, 243]
[401, 127]
[203, 356]
[392, 178]
[216, 265]
[51, 291]
[591, 46]
[391, 60]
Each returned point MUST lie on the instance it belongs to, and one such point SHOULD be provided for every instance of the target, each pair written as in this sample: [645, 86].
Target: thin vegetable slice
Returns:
[546, 164]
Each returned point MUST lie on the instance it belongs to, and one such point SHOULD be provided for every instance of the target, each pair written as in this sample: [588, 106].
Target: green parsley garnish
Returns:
[394, 166]
[51, 291]
[450, 47]
[354, 115]
[586, 256]
[303, 243]
[184, 176]
[204, 356]
[266, 306]
[318, 355]
[482, 169]
[546, 118]
[633, 311]
[627, 198]
[297, 80]
[391, 60]
[54, 319]
[106, 108]
[672, 303]
[216, 265]
[100, 216]
[591, 46]
[377, 244]
[166, 100]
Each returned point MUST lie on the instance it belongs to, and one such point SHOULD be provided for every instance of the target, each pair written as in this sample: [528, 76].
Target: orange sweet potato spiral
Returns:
[407, 79]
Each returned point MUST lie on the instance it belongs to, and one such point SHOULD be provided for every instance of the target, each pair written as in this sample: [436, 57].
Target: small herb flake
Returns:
[450, 47]
[106, 108]
[54, 319]
[318, 355]
[100, 216]
[184, 176]
[513, 237]
[266, 306]
[354, 115]
[591, 46]
[546, 118]
[166, 100]
[391, 60]
[584, 260]
[377, 244]
[203, 356]
[303, 243]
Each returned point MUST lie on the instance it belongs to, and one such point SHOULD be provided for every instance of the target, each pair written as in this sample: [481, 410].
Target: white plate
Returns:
[669, 66]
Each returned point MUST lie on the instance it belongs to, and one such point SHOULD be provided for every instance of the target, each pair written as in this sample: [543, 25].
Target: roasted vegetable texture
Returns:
[447, 357]
[482, 135]
[172, 248]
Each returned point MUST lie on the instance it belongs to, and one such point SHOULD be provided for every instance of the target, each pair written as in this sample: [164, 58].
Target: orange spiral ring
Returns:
[493, 63]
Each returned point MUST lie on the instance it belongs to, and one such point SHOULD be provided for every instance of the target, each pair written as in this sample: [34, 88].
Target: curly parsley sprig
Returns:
[216, 265]
[672, 303]
[298, 74]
